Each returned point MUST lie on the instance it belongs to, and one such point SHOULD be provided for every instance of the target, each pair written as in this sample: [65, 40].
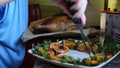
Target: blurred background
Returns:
[93, 11]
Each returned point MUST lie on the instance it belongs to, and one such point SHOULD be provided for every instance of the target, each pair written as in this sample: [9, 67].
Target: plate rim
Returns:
[71, 65]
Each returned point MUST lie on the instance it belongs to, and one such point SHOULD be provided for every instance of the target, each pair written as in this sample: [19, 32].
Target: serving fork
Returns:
[79, 24]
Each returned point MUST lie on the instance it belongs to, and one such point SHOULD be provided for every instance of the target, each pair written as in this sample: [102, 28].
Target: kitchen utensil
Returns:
[78, 23]
[84, 36]
[102, 38]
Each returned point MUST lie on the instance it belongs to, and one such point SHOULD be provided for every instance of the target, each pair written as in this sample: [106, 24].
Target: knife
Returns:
[79, 24]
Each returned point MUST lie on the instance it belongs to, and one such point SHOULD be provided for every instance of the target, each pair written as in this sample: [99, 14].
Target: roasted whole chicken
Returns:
[52, 24]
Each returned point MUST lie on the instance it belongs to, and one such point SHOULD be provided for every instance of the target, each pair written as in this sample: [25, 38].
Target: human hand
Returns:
[79, 6]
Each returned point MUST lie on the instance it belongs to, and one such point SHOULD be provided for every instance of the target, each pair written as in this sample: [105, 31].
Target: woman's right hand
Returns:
[79, 6]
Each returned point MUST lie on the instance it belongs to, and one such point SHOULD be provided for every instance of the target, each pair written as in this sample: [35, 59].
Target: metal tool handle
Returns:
[78, 23]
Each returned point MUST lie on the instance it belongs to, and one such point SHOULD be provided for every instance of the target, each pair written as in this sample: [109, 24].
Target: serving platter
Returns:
[28, 35]
[68, 64]
[75, 54]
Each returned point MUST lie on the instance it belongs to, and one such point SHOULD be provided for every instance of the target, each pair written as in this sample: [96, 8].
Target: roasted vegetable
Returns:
[82, 47]
[59, 47]
[70, 59]
[51, 50]
[69, 44]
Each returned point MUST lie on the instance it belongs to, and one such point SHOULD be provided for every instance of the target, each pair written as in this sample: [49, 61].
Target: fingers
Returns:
[83, 19]
[80, 7]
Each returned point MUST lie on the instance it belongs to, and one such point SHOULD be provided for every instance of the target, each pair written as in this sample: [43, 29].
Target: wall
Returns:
[92, 12]
[47, 7]
[114, 4]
